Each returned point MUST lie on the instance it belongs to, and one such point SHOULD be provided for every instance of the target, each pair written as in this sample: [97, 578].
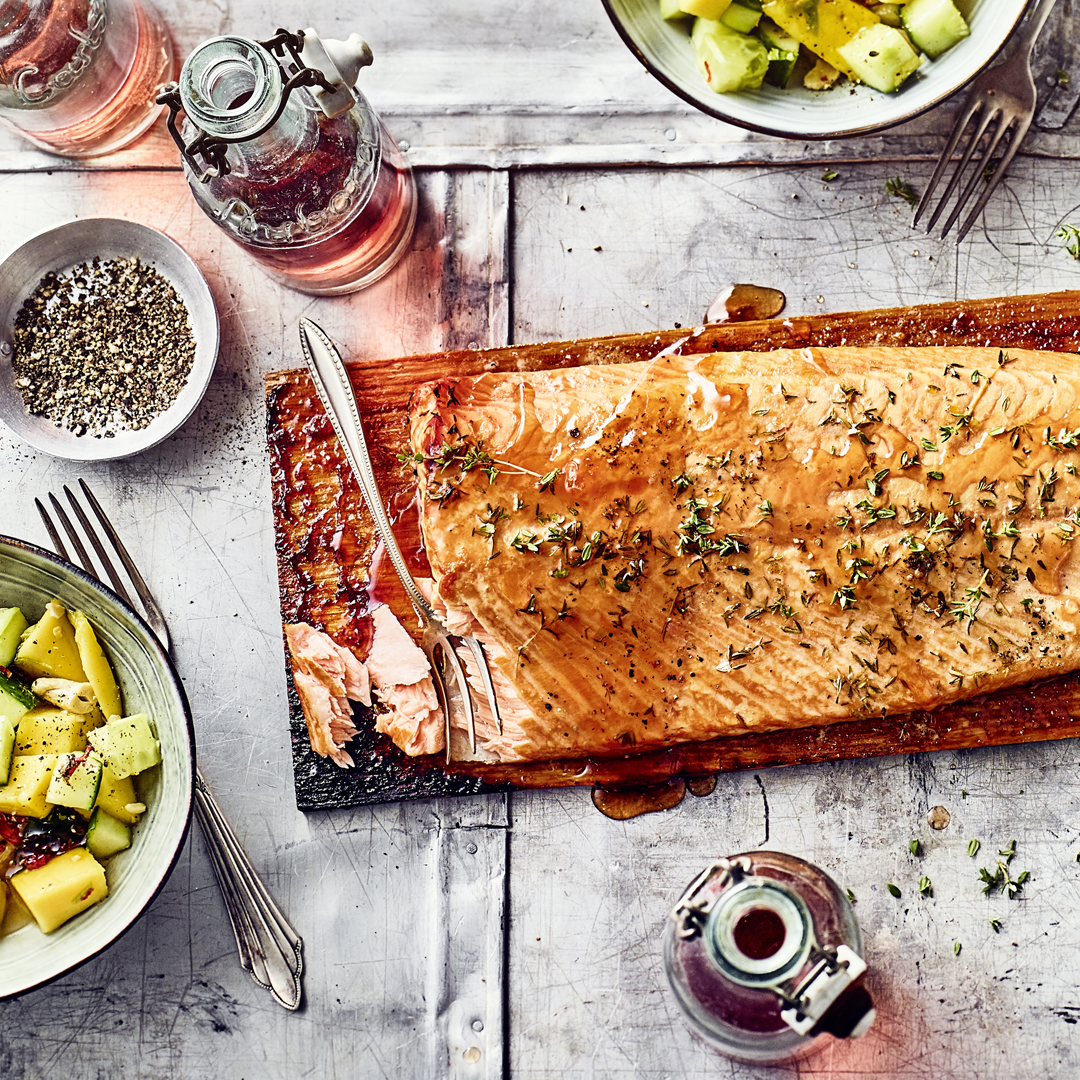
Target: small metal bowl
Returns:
[60, 250]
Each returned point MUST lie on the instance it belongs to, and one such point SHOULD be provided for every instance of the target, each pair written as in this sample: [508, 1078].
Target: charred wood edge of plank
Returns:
[1050, 321]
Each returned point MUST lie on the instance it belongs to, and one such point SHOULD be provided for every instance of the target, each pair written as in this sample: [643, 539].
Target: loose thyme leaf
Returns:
[1069, 235]
[956, 948]
[851, 896]
[893, 890]
[547, 481]
[974, 845]
[901, 189]
[915, 847]
[925, 886]
[995, 925]
[829, 174]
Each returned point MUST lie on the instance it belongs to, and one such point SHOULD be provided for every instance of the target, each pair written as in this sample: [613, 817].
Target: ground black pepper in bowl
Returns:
[102, 348]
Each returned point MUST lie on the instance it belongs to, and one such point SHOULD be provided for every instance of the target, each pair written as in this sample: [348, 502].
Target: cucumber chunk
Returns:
[75, 781]
[105, 835]
[934, 25]
[888, 13]
[7, 748]
[729, 60]
[16, 699]
[881, 57]
[12, 624]
[741, 17]
[127, 744]
[783, 51]
[61, 888]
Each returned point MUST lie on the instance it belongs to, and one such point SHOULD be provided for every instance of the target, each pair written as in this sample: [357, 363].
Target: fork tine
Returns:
[946, 158]
[110, 570]
[439, 683]
[485, 677]
[983, 122]
[978, 175]
[154, 615]
[54, 536]
[76, 542]
[466, 696]
[1019, 130]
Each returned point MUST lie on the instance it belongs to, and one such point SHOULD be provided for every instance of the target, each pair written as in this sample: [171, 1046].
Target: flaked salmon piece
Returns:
[329, 719]
[401, 676]
[697, 546]
[412, 718]
[326, 676]
[325, 660]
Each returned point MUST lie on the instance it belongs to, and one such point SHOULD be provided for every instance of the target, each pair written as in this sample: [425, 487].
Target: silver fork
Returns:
[335, 391]
[270, 949]
[1003, 96]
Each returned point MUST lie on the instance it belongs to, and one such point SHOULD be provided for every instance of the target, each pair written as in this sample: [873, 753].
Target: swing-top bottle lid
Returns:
[339, 62]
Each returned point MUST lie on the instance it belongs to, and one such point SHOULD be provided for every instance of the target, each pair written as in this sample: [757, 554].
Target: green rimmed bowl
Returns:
[847, 110]
[29, 578]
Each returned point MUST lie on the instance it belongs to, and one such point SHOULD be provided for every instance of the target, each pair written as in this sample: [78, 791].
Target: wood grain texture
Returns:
[534, 86]
[325, 545]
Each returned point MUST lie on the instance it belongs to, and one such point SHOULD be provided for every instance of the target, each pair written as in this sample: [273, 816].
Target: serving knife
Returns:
[335, 391]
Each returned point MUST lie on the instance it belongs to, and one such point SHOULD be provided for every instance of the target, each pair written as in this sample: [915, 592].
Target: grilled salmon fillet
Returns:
[699, 546]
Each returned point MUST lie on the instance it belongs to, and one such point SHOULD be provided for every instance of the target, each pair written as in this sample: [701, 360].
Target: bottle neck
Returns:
[232, 89]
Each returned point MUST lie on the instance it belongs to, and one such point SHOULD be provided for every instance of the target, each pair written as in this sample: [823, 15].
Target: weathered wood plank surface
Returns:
[565, 905]
[502, 85]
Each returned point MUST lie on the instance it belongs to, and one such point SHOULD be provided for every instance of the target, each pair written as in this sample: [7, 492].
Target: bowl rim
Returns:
[718, 113]
[9, 544]
[140, 440]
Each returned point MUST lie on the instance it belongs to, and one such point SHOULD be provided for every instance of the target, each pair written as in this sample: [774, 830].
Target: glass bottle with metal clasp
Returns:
[763, 954]
[289, 159]
[81, 77]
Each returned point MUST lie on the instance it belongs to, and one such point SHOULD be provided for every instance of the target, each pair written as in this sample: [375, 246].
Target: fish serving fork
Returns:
[335, 391]
[270, 949]
[1002, 98]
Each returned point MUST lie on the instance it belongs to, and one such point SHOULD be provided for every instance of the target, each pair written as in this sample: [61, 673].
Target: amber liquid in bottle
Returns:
[337, 258]
[322, 198]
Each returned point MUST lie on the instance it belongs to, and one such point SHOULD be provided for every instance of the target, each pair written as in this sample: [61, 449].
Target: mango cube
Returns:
[24, 793]
[61, 888]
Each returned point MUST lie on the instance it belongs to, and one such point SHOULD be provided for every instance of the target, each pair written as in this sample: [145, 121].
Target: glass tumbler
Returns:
[80, 77]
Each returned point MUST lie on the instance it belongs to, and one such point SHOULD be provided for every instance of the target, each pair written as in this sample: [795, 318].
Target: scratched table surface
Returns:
[564, 193]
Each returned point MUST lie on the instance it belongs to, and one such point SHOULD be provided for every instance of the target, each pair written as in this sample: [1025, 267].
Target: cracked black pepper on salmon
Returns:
[699, 546]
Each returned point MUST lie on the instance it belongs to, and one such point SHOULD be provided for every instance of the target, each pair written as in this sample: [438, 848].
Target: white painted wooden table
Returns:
[564, 193]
